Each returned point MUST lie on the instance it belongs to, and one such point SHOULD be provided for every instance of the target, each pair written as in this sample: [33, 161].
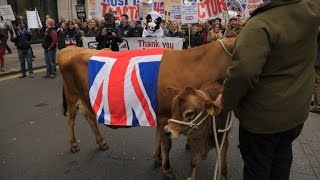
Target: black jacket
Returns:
[177, 34]
[72, 37]
[22, 41]
[136, 32]
[108, 41]
[124, 30]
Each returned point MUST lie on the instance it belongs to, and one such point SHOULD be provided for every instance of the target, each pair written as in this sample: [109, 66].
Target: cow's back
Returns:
[192, 67]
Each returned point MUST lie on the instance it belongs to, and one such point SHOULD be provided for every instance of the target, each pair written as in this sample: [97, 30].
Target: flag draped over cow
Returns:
[123, 86]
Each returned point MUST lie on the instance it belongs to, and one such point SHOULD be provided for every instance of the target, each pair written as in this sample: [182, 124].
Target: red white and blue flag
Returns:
[158, 7]
[123, 86]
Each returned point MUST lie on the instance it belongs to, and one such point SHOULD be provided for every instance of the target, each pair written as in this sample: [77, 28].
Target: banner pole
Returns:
[189, 35]
[12, 28]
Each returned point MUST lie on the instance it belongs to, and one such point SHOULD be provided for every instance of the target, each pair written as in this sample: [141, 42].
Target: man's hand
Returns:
[218, 102]
[114, 34]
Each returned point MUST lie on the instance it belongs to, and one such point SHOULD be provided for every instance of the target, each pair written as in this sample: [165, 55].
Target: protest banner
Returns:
[175, 13]
[209, 9]
[189, 14]
[140, 43]
[145, 9]
[32, 19]
[120, 7]
[7, 13]
[251, 6]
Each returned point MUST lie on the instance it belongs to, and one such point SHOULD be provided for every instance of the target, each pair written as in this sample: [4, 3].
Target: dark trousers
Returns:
[25, 55]
[267, 156]
[50, 57]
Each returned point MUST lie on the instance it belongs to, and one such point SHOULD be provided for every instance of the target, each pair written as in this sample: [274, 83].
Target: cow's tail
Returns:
[64, 103]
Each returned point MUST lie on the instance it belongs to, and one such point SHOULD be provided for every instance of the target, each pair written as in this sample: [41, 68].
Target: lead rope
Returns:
[224, 47]
[229, 122]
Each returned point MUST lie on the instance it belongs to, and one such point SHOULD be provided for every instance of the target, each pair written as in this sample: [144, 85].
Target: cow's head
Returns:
[187, 105]
[154, 20]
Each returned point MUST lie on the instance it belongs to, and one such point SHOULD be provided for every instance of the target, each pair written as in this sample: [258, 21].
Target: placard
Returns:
[7, 13]
[189, 14]
[175, 13]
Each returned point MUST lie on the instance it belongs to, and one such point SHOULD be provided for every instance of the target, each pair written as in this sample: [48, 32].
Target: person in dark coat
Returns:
[108, 34]
[137, 30]
[93, 28]
[316, 102]
[174, 30]
[270, 84]
[21, 39]
[124, 27]
[49, 45]
[72, 37]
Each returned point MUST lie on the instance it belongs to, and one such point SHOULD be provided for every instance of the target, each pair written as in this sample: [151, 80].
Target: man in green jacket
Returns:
[271, 82]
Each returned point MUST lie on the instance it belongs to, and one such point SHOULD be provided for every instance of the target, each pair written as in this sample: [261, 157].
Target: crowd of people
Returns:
[107, 32]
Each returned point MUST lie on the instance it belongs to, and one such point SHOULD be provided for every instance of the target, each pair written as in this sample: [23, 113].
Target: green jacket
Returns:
[271, 81]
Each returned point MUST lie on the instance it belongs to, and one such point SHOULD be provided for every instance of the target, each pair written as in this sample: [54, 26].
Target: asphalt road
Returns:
[33, 141]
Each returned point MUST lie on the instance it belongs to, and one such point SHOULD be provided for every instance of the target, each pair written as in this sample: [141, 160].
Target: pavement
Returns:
[11, 61]
[34, 142]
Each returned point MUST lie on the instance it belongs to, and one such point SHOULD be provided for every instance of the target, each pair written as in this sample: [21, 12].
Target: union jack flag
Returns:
[237, 5]
[123, 86]
[158, 7]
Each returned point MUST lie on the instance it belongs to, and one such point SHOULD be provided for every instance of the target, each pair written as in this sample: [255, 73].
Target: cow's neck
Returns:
[203, 135]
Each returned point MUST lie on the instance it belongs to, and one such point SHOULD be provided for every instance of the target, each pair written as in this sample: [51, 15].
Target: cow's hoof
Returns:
[75, 149]
[104, 147]
[187, 147]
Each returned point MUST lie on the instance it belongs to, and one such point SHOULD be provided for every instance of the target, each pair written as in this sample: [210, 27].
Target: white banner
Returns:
[7, 13]
[175, 13]
[209, 9]
[251, 6]
[140, 43]
[32, 19]
[189, 14]
[145, 9]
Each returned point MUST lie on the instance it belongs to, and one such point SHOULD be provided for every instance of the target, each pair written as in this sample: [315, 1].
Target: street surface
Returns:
[34, 142]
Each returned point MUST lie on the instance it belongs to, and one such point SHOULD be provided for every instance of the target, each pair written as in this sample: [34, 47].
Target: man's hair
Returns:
[126, 16]
[17, 22]
[109, 17]
[50, 21]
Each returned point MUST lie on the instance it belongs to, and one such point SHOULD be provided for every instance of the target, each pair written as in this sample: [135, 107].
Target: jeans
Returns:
[50, 57]
[267, 156]
[317, 89]
[25, 55]
[2, 50]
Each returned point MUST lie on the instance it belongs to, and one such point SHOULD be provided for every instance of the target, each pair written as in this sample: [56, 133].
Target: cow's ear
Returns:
[212, 109]
[173, 91]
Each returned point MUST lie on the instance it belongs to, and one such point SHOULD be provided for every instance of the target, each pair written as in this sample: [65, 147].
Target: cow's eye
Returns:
[155, 21]
[189, 114]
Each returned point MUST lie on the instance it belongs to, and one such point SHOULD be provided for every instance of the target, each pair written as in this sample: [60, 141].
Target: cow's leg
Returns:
[94, 127]
[224, 168]
[165, 148]
[195, 158]
[157, 149]
[71, 115]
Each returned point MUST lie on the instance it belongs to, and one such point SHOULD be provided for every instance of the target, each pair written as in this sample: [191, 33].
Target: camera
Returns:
[109, 31]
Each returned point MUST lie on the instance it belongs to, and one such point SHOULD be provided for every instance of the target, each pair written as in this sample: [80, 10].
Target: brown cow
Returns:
[179, 68]
[191, 117]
